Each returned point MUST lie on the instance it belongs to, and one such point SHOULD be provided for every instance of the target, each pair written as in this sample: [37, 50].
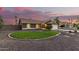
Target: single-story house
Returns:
[35, 24]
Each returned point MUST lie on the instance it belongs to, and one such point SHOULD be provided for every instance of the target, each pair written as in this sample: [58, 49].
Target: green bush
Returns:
[77, 27]
[49, 27]
[1, 25]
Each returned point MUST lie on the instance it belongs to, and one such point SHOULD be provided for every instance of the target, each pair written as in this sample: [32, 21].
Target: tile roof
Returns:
[23, 20]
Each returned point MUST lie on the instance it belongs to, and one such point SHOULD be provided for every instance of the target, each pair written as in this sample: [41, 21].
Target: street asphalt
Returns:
[64, 42]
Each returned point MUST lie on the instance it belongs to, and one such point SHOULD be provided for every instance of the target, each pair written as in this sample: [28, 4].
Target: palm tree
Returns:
[16, 19]
[57, 21]
[70, 22]
[18, 23]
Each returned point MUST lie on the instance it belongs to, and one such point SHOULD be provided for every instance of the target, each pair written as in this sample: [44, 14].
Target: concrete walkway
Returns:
[64, 42]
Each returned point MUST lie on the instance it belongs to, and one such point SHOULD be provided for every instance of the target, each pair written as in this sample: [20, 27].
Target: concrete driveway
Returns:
[64, 42]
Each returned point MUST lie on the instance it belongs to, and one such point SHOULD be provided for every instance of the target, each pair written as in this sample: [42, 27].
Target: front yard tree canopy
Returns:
[1, 21]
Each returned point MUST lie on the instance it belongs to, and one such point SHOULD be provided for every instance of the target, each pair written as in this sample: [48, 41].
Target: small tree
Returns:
[77, 26]
[74, 25]
[49, 27]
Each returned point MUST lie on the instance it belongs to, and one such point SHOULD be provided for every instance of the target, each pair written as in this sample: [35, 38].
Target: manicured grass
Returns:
[33, 35]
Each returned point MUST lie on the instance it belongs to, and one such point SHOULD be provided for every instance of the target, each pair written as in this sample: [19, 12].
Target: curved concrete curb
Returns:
[9, 35]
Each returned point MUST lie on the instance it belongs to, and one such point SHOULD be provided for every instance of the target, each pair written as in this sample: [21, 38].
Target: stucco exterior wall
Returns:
[28, 26]
[54, 27]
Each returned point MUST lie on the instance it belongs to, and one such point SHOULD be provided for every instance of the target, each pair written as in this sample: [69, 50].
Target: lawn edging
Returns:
[9, 35]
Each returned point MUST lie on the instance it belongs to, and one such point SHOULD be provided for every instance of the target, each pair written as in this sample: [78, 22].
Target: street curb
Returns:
[9, 35]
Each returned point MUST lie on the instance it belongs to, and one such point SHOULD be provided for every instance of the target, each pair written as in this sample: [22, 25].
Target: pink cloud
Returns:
[2, 9]
[54, 14]
[75, 13]
[22, 8]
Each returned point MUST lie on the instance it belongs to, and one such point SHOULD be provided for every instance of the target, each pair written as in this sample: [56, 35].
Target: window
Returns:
[33, 25]
[49, 24]
[40, 25]
[24, 25]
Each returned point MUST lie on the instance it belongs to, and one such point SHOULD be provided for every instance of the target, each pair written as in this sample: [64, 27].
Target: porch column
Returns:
[37, 25]
[28, 26]
[45, 25]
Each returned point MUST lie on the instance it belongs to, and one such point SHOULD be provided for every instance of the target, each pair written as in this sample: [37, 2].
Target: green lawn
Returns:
[33, 35]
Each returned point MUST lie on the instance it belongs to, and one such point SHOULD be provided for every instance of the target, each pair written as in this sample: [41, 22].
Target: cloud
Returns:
[54, 14]
[25, 12]
[2, 9]
[20, 9]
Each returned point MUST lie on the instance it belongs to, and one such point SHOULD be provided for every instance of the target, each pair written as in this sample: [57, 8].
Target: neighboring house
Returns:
[35, 24]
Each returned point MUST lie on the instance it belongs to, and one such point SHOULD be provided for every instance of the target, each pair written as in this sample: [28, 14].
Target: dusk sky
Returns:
[60, 10]
[57, 10]
[38, 13]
